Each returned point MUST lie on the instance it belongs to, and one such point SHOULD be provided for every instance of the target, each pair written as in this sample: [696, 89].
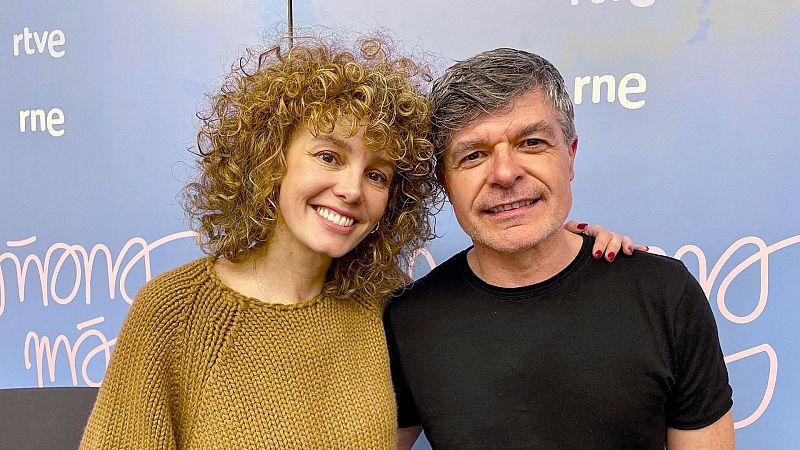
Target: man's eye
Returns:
[532, 142]
[472, 156]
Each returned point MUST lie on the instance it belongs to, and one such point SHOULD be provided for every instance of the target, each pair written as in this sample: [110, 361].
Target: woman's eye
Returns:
[327, 157]
[377, 177]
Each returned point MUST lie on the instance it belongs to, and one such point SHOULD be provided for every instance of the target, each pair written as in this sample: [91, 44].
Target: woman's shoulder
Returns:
[188, 274]
[373, 305]
[175, 289]
[187, 304]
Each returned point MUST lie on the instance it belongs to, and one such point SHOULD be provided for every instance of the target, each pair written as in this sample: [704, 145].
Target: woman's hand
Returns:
[607, 244]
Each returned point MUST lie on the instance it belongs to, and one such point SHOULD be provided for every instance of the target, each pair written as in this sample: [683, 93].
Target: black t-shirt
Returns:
[599, 356]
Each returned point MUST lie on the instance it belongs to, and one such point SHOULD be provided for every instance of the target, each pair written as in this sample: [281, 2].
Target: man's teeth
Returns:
[333, 217]
[510, 206]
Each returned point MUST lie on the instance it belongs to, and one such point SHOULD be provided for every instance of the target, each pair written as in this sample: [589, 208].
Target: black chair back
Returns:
[44, 418]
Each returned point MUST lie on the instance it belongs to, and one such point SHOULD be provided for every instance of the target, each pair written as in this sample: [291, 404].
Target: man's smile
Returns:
[511, 206]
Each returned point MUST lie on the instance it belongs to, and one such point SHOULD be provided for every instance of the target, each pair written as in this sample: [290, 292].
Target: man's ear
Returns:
[440, 178]
[573, 149]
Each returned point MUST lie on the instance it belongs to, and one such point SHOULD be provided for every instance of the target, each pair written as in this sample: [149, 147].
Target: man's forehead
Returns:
[509, 115]
[511, 127]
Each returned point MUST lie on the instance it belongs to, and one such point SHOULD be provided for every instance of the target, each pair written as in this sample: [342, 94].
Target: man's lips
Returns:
[510, 206]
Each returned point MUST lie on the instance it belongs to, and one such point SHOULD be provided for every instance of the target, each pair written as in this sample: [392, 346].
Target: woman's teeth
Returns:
[333, 217]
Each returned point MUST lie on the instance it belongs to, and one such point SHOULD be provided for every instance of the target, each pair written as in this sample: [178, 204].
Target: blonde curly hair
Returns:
[244, 134]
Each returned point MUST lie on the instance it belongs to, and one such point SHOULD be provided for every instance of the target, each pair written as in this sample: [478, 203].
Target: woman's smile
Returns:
[334, 218]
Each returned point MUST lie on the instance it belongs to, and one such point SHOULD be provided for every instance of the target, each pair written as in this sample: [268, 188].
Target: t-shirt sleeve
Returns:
[701, 394]
[407, 414]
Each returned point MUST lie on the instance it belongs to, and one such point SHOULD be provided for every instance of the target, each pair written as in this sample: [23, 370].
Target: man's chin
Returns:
[516, 242]
[507, 245]
[512, 248]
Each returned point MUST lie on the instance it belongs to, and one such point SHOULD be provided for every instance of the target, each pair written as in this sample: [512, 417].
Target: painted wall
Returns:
[686, 110]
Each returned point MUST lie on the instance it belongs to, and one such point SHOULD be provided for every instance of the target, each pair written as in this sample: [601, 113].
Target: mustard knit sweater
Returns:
[198, 365]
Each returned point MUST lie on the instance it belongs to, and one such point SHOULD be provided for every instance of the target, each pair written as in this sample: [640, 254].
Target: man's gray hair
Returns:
[490, 81]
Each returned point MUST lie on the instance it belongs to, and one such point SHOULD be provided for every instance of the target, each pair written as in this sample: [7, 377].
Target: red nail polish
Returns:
[630, 248]
[582, 226]
[598, 254]
[611, 256]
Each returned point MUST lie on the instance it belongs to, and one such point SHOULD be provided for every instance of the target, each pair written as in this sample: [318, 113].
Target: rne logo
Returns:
[630, 84]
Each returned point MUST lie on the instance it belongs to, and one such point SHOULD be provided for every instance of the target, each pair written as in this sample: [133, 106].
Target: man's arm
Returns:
[406, 437]
[409, 427]
[699, 406]
[717, 436]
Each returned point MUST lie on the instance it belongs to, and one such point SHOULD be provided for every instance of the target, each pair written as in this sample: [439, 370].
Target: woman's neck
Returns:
[275, 273]
[285, 275]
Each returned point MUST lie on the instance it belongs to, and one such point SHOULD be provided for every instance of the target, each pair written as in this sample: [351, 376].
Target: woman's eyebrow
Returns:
[381, 160]
[331, 139]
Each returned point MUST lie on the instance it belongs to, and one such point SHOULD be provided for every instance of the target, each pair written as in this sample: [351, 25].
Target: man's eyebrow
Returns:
[534, 128]
[531, 128]
[466, 145]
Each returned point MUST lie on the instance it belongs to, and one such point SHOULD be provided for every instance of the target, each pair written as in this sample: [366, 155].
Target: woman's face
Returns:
[334, 192]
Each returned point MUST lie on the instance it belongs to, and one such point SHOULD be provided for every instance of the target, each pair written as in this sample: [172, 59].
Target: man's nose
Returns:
[505, 168]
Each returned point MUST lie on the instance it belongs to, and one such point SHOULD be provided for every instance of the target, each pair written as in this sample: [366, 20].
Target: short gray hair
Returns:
[489, 81]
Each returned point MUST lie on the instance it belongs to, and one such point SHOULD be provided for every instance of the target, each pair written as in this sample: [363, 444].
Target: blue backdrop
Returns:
[686, 111]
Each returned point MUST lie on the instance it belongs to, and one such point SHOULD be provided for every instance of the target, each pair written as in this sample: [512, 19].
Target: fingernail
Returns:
[598, 254]
[611, 256]
[582, 226]
[630, 248]
[646, 248]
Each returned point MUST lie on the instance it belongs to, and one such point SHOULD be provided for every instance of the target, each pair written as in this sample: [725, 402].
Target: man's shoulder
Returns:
[661, 261]
[433, 286]
[652, 266]
[655, 280]
[638, 264]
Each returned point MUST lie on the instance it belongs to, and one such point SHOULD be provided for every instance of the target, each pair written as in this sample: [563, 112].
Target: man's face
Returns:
[508, 175]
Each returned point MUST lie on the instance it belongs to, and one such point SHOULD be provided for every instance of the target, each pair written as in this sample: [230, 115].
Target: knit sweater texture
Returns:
[199, 365]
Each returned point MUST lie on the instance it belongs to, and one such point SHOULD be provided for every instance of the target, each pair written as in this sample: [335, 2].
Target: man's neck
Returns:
[525, 267]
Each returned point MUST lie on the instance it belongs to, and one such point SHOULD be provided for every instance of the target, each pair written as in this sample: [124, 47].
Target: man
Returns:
[527, 340]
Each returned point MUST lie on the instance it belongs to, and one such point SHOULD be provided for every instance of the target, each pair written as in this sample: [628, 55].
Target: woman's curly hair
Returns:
[315, 83]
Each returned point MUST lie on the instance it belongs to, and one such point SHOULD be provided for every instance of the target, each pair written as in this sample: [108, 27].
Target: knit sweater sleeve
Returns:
[136, 404]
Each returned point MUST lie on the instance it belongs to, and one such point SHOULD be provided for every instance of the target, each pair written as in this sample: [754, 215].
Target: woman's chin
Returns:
[333, 251]
[336, 249]
[339, 252]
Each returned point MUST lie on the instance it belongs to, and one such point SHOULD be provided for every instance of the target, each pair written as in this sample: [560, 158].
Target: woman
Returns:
[316, 179]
